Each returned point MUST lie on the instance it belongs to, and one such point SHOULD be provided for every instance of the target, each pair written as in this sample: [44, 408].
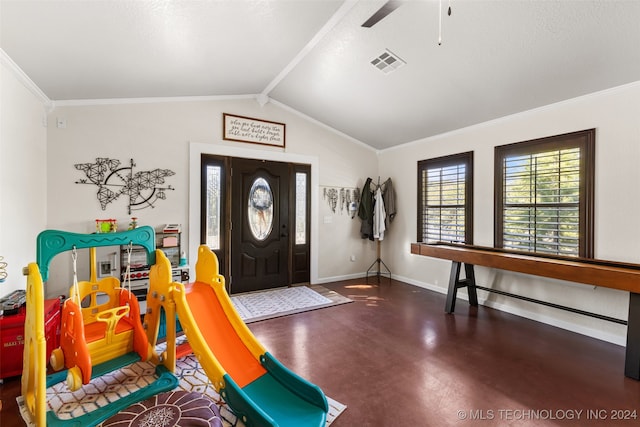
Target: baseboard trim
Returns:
[620, 340]
[339, 278]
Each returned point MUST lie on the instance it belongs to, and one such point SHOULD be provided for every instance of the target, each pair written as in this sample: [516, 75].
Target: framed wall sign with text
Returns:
[254, 131]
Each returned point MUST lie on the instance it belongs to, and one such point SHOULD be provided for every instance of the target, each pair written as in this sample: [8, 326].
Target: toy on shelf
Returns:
[134, 223]
[106, 225]
[11, 304]
[94, 334]
[183, 259]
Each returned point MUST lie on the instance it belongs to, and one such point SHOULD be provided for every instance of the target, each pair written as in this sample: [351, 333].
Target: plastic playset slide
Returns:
[259, 389]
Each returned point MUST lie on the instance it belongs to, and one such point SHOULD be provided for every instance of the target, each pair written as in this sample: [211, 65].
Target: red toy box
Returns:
[12, 337]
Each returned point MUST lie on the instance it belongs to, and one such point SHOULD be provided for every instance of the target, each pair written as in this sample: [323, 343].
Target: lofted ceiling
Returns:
[497, 57]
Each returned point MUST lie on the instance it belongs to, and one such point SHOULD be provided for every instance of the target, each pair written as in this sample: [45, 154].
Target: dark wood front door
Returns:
[260, 225]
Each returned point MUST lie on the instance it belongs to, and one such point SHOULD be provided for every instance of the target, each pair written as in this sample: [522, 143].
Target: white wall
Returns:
[615, 114]
[36, 193]
[167, 135]
[23, 193]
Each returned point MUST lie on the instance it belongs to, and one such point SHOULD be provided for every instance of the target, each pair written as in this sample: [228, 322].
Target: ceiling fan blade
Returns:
[386, 9]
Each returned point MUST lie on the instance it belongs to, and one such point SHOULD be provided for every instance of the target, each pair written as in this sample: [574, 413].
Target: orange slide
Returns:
[258, 388]
[222, 339]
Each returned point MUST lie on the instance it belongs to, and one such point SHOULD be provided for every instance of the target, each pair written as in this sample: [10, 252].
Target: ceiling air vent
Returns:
[388, 62]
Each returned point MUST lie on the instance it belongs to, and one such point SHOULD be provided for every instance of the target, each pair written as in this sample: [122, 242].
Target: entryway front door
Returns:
[260, 225]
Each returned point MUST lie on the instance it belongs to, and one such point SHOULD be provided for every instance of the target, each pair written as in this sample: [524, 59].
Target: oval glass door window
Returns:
[260, 209]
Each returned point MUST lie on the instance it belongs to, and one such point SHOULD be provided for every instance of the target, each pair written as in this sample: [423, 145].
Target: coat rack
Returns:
[379, 262]
[367, 214]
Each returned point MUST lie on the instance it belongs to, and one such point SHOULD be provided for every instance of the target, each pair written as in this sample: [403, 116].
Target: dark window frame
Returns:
[465, 158]
[585, 141]
[300, 262]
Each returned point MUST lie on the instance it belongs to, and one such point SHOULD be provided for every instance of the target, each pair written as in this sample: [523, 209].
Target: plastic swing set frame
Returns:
[34, 379]
[259, 389]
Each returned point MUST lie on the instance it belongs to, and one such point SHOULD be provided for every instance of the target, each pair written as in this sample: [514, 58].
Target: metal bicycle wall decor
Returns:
[143, 188]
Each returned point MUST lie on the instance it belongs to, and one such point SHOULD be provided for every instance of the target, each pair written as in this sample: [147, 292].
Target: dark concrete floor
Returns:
[396, 359]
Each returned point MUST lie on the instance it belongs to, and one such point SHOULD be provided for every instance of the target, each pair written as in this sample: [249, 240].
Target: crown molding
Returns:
[149, 100]
[26, 81]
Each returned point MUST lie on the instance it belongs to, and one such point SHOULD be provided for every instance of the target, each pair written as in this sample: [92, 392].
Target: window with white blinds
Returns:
[445, 190]
[544, 191]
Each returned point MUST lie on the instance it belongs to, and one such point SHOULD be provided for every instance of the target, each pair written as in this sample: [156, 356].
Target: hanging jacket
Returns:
[365, 211]
[389, 197]
[379, 215]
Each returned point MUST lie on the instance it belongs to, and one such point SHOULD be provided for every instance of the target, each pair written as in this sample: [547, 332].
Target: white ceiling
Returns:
[496, 58]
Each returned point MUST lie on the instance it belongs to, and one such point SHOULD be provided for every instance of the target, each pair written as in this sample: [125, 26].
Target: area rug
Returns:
[174, 408]
[263, 305]
[120, 383]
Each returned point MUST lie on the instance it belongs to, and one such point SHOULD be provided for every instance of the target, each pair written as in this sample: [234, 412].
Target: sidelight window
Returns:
[212, 218]
[301, 208]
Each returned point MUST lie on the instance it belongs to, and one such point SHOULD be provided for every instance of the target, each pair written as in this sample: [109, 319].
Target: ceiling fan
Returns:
[392, 5]
[381, 13]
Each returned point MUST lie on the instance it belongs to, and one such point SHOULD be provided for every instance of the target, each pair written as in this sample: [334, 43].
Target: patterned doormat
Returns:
[263, 305]
[115, 385]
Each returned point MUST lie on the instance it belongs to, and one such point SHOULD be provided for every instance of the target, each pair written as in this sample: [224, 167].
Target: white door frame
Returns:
[195, 159]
